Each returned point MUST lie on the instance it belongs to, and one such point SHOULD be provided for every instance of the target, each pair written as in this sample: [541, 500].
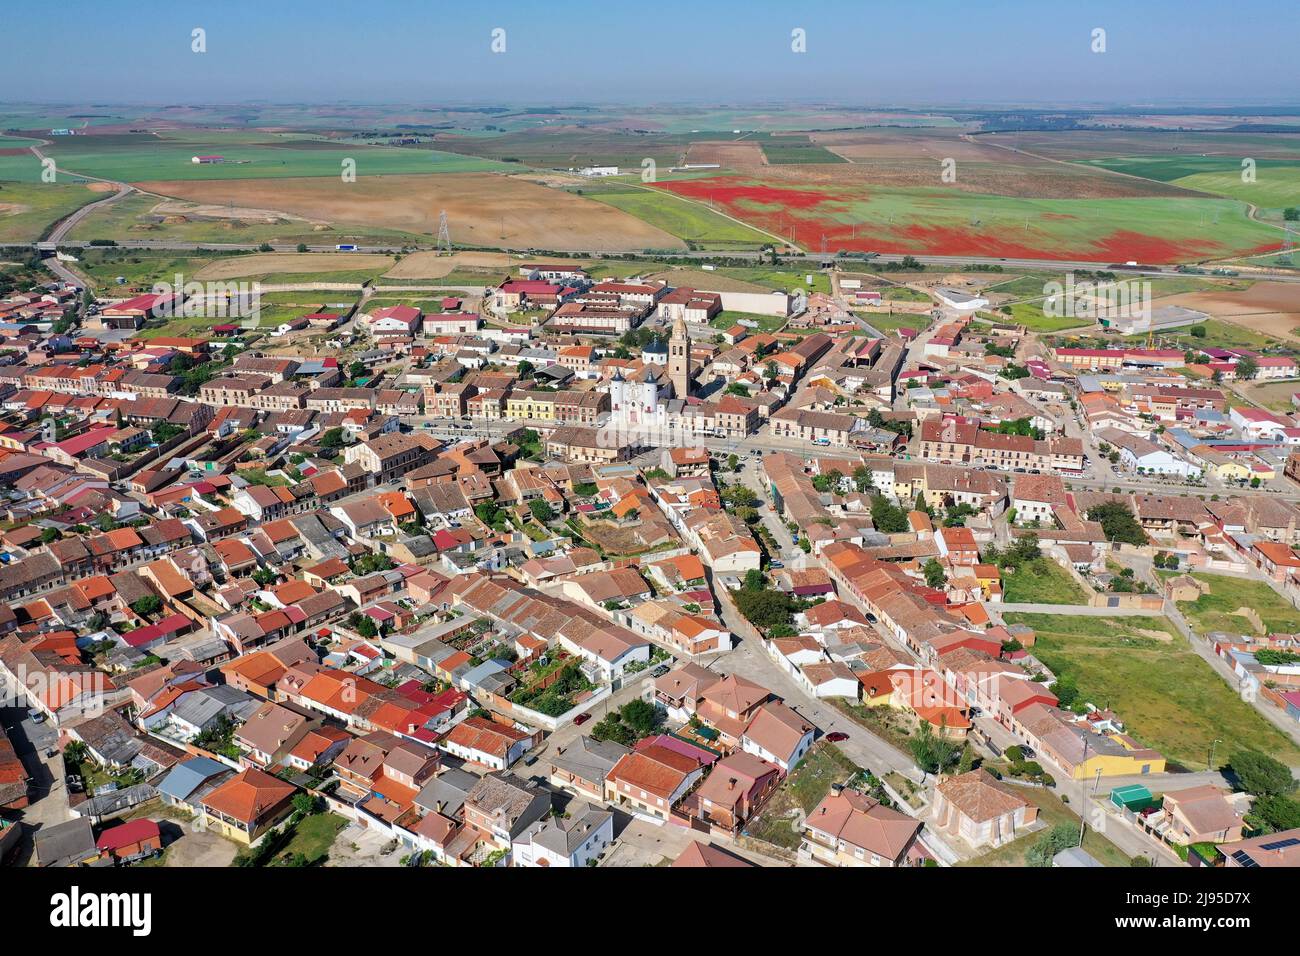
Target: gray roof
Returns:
[590, 759]
[64, 844]
[201, 707]
[185, 778]
[1074, 856]
[446, 792]
[564, 836]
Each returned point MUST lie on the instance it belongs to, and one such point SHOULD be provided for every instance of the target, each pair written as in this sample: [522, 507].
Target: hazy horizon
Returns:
[1163, 54]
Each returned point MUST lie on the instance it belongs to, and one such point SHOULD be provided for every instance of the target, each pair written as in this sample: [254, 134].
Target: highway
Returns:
[808, 259]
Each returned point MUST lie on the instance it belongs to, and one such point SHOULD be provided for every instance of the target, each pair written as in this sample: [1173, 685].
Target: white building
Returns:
[571, 842]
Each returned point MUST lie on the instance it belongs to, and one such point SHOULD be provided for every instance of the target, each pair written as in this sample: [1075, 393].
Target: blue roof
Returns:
[185, 778]
[486, 669]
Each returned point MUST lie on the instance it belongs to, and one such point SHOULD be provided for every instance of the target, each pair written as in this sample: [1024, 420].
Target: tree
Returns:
[888, 518]
[1261, 775]
[754, 580]
[50, 534]
[1197, 331]
[643, 717]
[1060, 837]
[740, 495]
[933, 753]
[525, 369]
[541, 510]
[1118, 523]
[737, 388]
[733, 462]
[332, 438]
[1246, 368]
[767, 608]
[147, 605]
[934, 574]
[1291, 213]
[304, 804]
[862, 478]
[1275, 813]
[366, 626]
[1066, 691]
[302, 247]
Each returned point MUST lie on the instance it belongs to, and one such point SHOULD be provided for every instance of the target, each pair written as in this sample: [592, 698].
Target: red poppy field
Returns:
[863, 217]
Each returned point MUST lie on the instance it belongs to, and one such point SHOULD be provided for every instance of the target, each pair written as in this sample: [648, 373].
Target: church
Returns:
[654, 398]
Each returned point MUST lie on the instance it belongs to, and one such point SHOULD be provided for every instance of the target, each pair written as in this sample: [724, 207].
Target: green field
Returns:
[786, 149]
[1041, 581]
[28, 210]
[1032, 317]
[1276, 185]
[1216, 611]
[140, 157]
[781, 280]
[691, 221]
[766, 323]
[1167, 696]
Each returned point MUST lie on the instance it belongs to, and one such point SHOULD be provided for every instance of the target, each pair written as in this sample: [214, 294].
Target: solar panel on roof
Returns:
[1244, 859]
[1281, 844]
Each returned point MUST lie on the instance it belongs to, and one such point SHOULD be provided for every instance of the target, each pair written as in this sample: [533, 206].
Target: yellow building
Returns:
[539, 406]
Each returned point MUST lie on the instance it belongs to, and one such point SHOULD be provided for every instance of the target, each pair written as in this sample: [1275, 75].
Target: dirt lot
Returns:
[430, 265]
[360, 846]
[292, 262]
[1273, 395]
[482, 209]
[172, 207]
[706, 280]
[1271, 308]
[979, 169]
[739, 153]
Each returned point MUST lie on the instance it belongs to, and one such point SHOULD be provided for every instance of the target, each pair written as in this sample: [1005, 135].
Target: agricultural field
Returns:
[160, 219]
[28, 210]
[569, 147]
[694, 222]
[270, 265]
[482, 210]
[781, 149]
[859, 217]
[1276, 184]
[139, 157]
[1168, 697]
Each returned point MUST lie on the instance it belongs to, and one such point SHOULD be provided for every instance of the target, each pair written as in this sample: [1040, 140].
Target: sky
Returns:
[858, 52]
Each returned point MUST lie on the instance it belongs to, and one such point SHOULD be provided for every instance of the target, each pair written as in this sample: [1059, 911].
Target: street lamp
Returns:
[1210, 763]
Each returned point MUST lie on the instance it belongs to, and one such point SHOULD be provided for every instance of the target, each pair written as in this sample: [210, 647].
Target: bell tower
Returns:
[679, 359]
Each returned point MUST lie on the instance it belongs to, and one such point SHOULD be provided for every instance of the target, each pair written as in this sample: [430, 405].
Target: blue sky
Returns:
[863, 52]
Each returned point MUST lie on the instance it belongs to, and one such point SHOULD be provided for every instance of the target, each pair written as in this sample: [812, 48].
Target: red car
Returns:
[836, 736]
[581, 719]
